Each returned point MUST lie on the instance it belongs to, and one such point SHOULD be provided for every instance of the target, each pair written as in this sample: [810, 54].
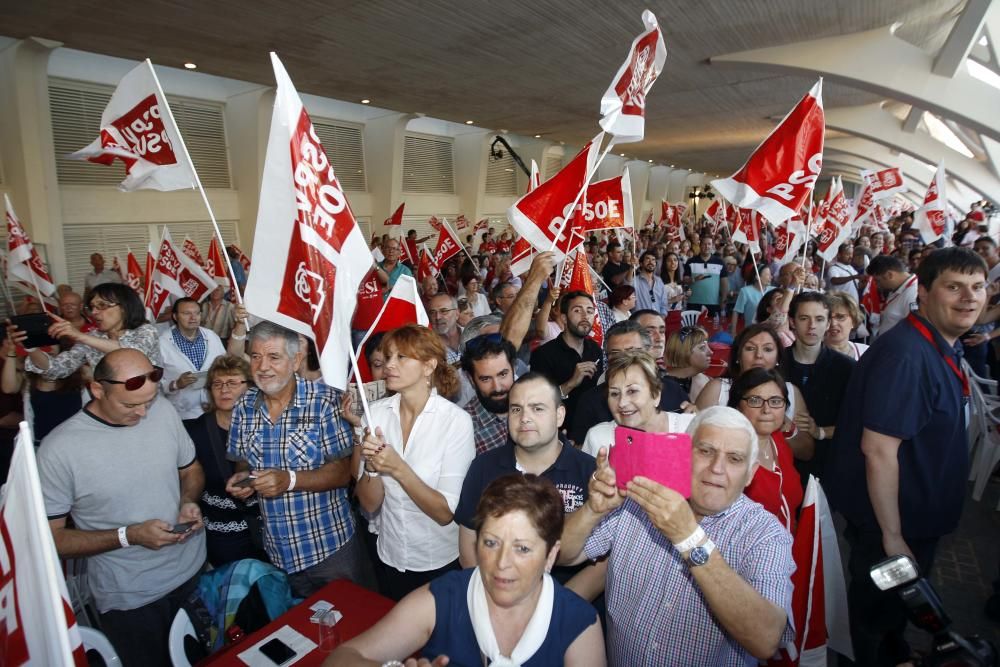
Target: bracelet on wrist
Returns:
[123, 537]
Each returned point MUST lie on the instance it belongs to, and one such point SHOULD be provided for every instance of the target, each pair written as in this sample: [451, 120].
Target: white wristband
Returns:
[291, 480]
[822, 433]
[123, 537]
[235, 337]
[692, 540]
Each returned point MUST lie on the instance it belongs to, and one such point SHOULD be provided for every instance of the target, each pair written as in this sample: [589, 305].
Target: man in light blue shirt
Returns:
[649, 290]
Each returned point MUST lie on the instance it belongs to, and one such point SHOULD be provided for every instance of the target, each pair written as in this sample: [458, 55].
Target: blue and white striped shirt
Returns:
[303, 527]
[657, 615]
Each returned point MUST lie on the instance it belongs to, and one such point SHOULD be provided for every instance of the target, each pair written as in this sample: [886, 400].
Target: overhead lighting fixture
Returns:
[650, 161]
[468, 122]
[366, 101]
[621, 155]
[671, 166]
[538, 136]
[190, 66]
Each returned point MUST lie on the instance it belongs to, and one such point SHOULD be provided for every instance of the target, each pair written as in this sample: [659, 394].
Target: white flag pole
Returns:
[361, 388]
[6, 291]
[201, 189]
[586, 183]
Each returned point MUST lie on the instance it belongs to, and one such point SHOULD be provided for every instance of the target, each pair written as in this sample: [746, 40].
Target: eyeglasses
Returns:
[759, 401]
[232, 385]
[473, 345]
[100, 306]
[136, 382]
[436, 313]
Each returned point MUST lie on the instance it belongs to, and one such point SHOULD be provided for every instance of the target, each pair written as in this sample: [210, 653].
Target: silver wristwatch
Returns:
[700, 554]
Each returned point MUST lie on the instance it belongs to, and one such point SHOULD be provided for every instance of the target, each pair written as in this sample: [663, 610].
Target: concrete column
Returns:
[383, 137]
[471, 163]
[248, 122]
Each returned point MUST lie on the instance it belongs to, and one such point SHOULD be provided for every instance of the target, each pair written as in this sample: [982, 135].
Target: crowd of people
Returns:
[480, 495]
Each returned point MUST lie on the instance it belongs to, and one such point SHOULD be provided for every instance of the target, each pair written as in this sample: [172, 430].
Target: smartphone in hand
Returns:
[183, 528]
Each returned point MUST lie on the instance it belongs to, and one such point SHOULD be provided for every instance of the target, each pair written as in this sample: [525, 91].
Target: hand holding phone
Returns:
[245, 482]
[662, 457]
[183, 528]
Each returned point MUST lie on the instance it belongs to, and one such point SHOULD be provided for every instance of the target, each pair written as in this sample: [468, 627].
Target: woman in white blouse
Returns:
[476, 299]
[411, 468]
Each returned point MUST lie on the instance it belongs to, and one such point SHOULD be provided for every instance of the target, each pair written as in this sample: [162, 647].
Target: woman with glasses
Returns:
[232, 526]
[477, 300]
[413, 462]
[761, 395]
[687, 356]
[845, 317]
[634, 388]
[759, 346]
[121, 322]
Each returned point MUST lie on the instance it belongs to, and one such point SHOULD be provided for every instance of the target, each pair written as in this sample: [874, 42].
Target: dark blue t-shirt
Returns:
[902, 387]
[453, 634]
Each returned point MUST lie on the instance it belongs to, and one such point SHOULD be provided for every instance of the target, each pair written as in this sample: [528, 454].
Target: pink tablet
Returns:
[662, 457]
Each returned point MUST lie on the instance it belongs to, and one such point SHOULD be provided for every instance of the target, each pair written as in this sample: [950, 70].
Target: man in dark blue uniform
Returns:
[899, 462]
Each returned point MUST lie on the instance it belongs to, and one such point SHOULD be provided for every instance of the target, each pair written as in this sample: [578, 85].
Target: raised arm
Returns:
[517, 321]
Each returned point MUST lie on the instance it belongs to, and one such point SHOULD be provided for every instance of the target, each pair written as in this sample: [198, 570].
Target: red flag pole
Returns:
[201, 189]
[579, 194]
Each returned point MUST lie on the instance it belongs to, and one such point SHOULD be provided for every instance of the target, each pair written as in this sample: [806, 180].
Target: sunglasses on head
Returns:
[687, 331]
[136, 382]
[473, 345]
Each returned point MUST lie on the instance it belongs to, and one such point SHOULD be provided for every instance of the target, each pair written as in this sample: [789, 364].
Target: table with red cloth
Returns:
[361, 608]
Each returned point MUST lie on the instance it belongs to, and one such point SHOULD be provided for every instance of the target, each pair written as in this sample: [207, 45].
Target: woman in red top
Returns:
[761, 395]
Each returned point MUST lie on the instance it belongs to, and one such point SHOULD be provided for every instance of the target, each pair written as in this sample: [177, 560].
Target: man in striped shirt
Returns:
[703, 581]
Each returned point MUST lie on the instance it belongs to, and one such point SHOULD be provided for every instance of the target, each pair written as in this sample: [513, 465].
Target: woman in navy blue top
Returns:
[508, 611]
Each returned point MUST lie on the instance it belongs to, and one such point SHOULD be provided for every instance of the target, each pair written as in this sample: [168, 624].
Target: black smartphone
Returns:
[181, 528]
[277, 651]
[246, 481]
[36, 325]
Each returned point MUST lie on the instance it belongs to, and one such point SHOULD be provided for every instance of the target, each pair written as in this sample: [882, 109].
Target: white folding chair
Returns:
[179, 629]
[95, 640]
[689, 318]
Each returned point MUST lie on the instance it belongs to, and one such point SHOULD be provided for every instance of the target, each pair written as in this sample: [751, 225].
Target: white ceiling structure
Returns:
[896, 71]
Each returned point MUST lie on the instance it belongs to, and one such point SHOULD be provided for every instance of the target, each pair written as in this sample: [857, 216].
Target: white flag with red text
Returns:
[37, 624]
[136, 128]
[864, 206]
[781, 173]
[521, 256]
[836, 227]
[788, 237]
[196, 282]
[310, 256]
[541, 214]
[191, 250]
[24, 265]
[164, 280]
[623, 105]
[885, 182]
[931, 218]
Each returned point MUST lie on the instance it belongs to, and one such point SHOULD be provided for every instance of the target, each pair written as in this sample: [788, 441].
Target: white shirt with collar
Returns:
[841, 270]
[898, 305]
[440, 450]
[187, 401]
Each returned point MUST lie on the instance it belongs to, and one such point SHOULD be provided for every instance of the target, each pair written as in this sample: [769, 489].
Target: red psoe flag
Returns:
[608, 204]
[481, 225]
[310, 257]
[580, 280]
[136, 128]
[369, 302]
[397, 217]
[864, 206]
[836, 229]
[541, 214]
[746, 225]
[623, 105]
[461, 222]
[426, 267]
[134, 277]
[521, 255]
[403, 306]
[448, 245]
[787, 241]
[781, 173]
[930, 219]
[24, 265]
[215, 265]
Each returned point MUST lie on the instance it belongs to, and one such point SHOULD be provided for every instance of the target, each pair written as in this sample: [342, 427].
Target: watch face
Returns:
[699, 556]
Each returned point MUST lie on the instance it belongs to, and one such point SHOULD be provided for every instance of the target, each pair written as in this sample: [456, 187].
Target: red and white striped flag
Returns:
[25, 267]
[138, 129]
[781, 173]
[310, 256]
[215, 263]
[403, 306]
[521, 256]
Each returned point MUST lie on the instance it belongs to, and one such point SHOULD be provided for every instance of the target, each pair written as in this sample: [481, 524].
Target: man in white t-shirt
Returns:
[899, 286]
[840, 275]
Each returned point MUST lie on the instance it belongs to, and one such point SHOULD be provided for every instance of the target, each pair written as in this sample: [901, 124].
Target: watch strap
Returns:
[701, 553]
[693, 540]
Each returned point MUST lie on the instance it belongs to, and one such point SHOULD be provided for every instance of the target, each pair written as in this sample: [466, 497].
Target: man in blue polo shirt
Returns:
[535, 413]
[899, 461]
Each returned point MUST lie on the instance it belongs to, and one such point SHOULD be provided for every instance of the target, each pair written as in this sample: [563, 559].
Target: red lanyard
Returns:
[925, 332]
